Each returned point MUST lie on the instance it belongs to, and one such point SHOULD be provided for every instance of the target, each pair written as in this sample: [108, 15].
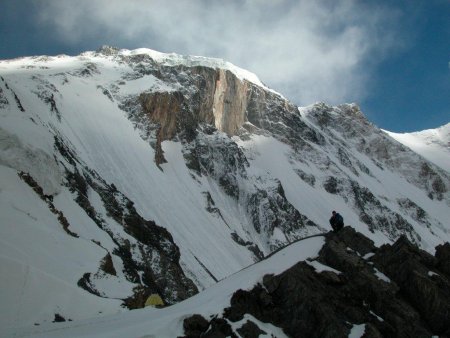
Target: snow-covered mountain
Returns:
[433, 144]
[129, 173]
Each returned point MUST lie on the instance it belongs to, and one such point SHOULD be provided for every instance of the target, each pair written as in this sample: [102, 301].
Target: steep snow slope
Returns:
[127, 173]
[433, 144]
[40, 264]
[168, 322]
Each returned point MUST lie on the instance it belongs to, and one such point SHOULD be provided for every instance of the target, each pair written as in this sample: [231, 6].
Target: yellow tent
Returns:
[154, 300]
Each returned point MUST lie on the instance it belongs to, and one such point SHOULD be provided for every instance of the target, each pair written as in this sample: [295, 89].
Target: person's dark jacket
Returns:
[337, 222]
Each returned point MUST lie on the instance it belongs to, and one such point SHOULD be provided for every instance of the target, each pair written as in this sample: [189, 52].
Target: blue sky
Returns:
[390, 57]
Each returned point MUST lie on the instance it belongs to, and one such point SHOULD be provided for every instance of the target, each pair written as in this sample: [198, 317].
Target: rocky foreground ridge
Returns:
[395, 290]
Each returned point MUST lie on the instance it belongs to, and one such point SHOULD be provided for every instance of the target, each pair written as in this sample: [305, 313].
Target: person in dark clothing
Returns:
[336, 221]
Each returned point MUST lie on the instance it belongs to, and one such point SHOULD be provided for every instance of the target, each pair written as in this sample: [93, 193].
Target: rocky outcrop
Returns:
[394, 291]
[212, 96]
[443, 258]
[420, 280]
[163, 108]
[269, 208]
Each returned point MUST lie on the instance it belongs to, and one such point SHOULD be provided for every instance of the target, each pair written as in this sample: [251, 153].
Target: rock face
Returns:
[394, 291]
[219, 98]
[230, 102]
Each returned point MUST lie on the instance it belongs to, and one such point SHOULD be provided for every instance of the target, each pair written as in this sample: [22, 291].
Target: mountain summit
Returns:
[125, 174]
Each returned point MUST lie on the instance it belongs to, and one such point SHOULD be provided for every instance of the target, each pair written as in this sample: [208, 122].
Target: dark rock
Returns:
[308, 178]
[331, 185]
[259, 255]
[250, 330]
[107, 265]
[195, 326]
[58, 318]
[371, 210]
[3, 100]
[410, 268]
[85, 283]
[443, 258]
[437, 184]
[330, 277]
[239, 240]
[50, 99]
[107, 50]
[290, 303]
[198, 326]
[19, 104]
[356, 241]
[138, 299]
[335, 254]
[219, 328]
[372, 332]
[270, 209]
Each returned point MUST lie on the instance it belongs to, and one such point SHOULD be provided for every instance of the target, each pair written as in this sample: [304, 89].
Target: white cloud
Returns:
[307, 50]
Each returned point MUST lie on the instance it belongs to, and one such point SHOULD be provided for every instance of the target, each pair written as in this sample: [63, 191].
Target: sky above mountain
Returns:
[392, 58]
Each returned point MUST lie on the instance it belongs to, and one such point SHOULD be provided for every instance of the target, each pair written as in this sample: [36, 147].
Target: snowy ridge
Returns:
[173, 59]
[433, 144]
[168, 59]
